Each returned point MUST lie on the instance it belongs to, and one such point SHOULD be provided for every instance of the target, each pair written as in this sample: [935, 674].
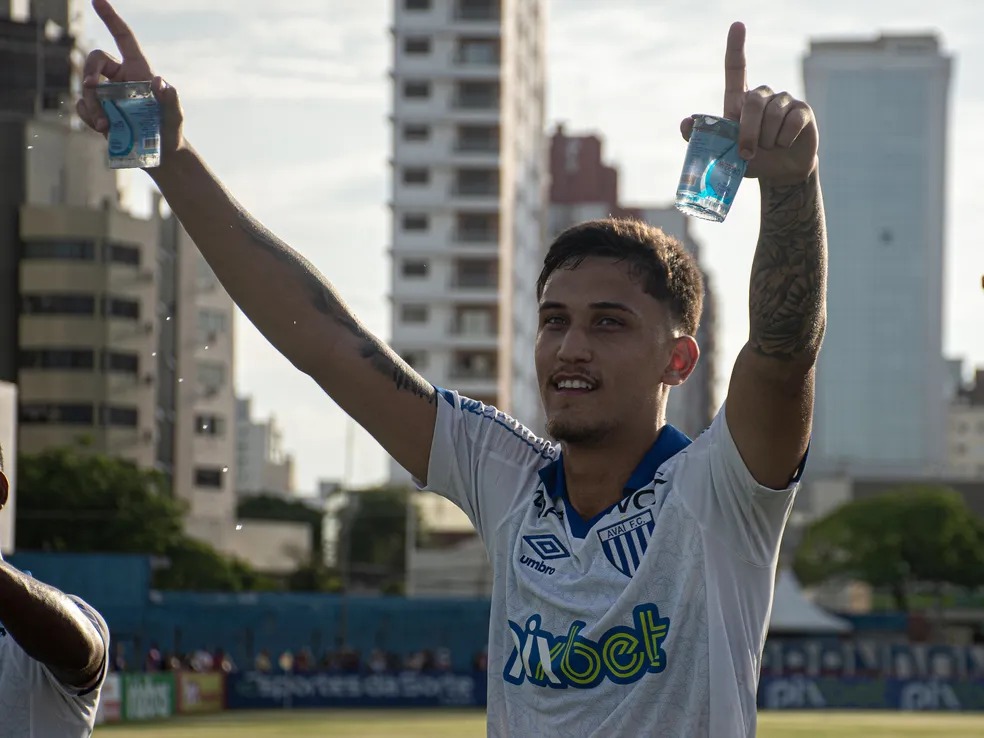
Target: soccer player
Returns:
[53, 656]
[634, 569]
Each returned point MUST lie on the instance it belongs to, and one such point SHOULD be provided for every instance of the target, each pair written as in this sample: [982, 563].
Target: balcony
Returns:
[481, 11]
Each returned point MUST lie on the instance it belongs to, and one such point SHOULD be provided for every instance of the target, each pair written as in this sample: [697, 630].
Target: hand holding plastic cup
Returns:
[712, 170]
[134, 124]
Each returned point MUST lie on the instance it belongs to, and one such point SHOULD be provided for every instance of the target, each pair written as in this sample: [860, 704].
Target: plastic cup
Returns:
[712, 171]
[134, 124]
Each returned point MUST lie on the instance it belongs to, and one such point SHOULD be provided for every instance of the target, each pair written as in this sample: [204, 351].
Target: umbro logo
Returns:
[547, 547]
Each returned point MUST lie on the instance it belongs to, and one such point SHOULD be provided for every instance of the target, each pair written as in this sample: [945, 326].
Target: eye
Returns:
[554, 320]
[609, 322]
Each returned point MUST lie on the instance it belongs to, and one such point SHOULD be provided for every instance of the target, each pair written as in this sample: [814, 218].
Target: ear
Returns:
[683, 359]
[4, 489]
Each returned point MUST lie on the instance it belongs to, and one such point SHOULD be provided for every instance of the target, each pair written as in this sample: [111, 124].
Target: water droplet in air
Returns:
[29, 148]
[225, 469]
[206, 347]
[239, 526]
[180, 379]
[154, 354]
[168, 317]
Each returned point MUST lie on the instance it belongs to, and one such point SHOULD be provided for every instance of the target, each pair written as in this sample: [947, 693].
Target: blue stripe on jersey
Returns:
[668, 444]
[541, 446]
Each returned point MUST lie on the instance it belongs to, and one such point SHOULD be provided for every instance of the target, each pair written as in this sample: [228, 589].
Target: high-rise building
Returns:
[104, 321]
[195, 366]
[881, 106]
[583, 187]
[263, 467]
[468, 198]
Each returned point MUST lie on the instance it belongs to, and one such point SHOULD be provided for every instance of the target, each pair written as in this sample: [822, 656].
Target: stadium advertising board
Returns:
[255, 690]
[818, 657]
[148, 696]
[199, 693]
[110, 708]
[807, 693]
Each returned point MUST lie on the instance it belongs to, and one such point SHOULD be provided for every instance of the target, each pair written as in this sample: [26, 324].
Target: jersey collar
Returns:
[669, 442]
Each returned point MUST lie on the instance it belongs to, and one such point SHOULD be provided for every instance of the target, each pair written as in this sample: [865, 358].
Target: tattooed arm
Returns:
[770, 400]
[301, 313]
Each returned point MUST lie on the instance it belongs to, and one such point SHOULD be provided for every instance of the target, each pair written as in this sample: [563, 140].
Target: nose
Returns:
[574, 347]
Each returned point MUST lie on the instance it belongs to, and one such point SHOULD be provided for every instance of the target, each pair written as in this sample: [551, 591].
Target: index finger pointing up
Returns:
[735, 84]
[125, 40]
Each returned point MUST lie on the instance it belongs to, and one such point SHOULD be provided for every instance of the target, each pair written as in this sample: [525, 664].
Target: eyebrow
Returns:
[603, 305]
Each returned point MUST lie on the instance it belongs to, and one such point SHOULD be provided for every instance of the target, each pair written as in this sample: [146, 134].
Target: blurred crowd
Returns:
[339, 661]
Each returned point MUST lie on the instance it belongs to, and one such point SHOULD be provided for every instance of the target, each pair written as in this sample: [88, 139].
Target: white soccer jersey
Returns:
[648, 620]
[34, 704]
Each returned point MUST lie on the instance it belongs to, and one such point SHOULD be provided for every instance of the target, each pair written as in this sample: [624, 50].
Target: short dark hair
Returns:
[666, 269]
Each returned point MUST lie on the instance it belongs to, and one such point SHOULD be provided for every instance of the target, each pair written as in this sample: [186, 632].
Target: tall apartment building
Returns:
[583, 187]
[881, 106]
[104, 319]
[263, 466]
[468, 199]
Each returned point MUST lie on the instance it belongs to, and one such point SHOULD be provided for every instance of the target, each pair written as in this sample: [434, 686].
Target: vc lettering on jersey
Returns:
[622, 655]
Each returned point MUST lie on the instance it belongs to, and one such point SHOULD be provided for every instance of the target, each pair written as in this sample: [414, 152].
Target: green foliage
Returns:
[374, 538]
[270, 507]
[913, 534]
[72, 500]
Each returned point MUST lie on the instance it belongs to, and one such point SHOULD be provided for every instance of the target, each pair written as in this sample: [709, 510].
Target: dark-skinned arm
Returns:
[770, 399]
[51, 628]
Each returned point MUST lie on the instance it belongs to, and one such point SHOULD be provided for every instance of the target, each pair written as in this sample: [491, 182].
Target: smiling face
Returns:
[606, 353]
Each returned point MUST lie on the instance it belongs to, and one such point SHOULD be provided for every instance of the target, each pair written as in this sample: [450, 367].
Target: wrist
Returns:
[172, 164]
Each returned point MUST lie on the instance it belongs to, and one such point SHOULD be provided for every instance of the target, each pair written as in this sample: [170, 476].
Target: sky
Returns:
[288, 103]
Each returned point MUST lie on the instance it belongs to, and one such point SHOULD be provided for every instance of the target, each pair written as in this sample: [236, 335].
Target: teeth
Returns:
[574, 384]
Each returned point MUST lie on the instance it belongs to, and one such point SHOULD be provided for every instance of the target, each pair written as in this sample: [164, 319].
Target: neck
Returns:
[596, 475]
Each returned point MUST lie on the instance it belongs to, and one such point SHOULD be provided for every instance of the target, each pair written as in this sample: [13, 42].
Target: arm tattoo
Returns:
[327, 302]
[787, 297]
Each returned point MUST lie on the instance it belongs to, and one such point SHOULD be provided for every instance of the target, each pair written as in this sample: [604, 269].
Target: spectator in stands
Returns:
[223, 662]
[262, 662]
[286, 662]
[54, 655]
[154, 660]
[119, 658]
[377, 663]
[304, 661]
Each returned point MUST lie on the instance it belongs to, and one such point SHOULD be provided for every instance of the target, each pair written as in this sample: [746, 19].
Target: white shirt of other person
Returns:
[649, 619]
[34, 703]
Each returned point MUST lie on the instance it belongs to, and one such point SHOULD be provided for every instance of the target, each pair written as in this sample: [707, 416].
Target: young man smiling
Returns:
[629, 562]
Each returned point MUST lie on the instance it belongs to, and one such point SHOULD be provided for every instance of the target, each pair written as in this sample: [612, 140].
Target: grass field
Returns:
[471, 724]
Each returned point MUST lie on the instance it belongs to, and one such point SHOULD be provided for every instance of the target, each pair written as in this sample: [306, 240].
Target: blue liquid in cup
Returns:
[134, 124]
[712, 171]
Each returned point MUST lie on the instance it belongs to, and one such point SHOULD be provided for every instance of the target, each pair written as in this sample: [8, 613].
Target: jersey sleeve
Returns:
[727, 500]
[482, 460]
[82, 701]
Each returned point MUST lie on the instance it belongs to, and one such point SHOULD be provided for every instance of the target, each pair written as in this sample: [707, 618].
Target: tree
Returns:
[912, 534]
[374, 537]
[72, 500]
[272, 507]
[69, 500]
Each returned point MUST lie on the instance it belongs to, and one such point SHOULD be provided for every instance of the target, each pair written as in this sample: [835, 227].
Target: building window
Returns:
[416, 176]
[211, 324]
[118, 416]
[210, 477]
[43, 413]
[415, 222]
[58, 359]
[416, 132]
[414, 268]
[205, 279]
[416, 90]
[477, 227]
[58, 304]
[119, 307]
[477, 10]
[417, 360]
[414, 314]
[211, 377]
[70, 250]
[416, 5]
[480, 52]
[416, 46]
[210, 425]
[124, 362]
[118, 253]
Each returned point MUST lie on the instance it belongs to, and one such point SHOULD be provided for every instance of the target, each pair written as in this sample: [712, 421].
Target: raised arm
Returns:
[769, 408]
[287, 299]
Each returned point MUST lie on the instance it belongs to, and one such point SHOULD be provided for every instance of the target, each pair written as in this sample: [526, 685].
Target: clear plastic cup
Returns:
[134, 124]
[712, 171]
